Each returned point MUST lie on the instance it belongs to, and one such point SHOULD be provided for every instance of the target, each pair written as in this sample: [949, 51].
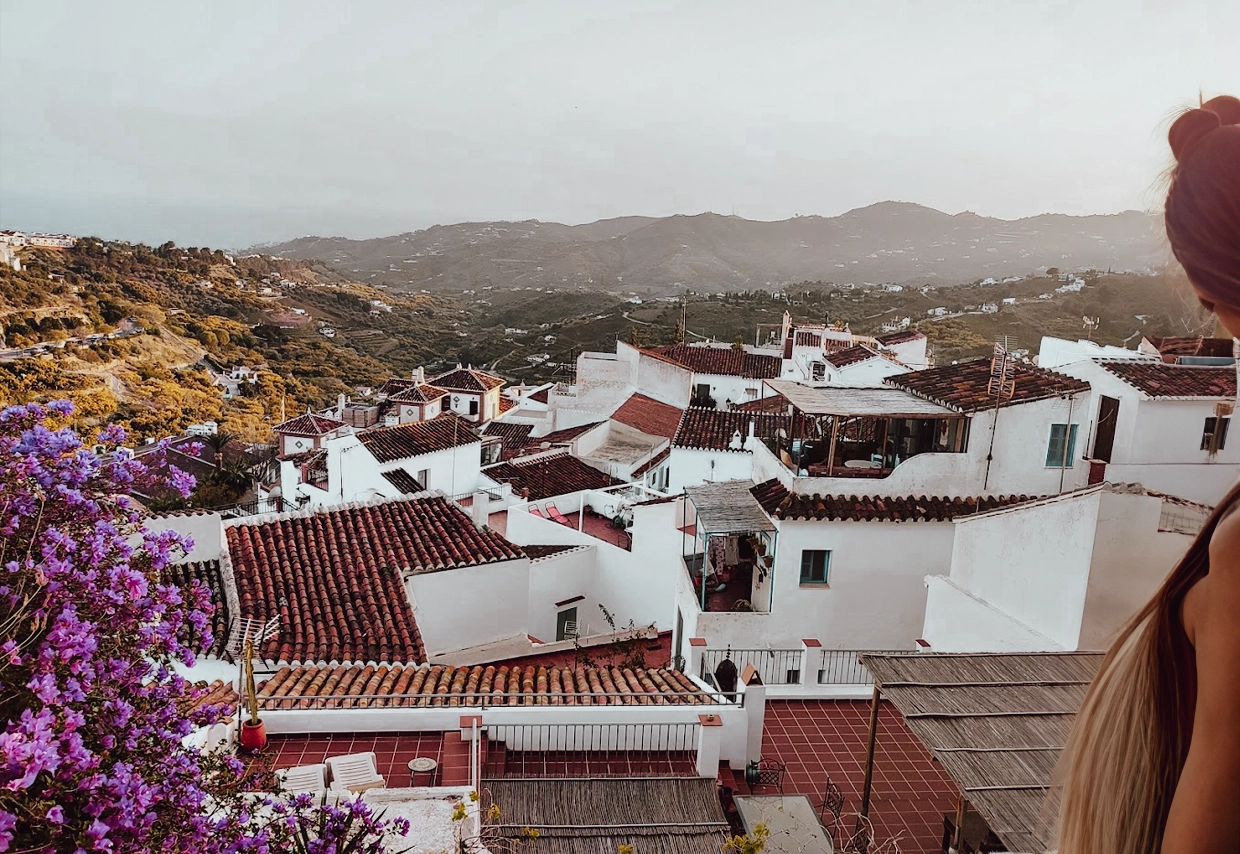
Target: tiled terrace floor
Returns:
[821, 738]
[392, 750]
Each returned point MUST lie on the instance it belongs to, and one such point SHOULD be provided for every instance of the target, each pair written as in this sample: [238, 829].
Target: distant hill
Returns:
[885, 242]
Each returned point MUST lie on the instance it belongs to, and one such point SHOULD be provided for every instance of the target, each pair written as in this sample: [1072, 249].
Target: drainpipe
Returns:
[1067, 435]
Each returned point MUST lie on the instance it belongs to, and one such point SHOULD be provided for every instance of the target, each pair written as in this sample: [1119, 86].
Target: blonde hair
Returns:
[1119, 770]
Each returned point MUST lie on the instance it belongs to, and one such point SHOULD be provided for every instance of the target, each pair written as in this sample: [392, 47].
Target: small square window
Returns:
[1209, 440]
[1061, 450]
[815, 566]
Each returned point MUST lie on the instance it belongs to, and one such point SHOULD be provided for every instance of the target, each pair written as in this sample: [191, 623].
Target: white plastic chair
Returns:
[304, 778]
[356, 772]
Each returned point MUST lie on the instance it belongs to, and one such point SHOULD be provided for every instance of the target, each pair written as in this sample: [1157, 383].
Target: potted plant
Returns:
[253, 731]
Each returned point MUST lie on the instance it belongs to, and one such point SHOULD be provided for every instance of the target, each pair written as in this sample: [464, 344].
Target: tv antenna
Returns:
[1091, 325]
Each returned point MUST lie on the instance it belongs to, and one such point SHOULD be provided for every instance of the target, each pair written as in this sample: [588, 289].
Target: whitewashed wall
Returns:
[691, 467]
[957, 621]
[559, 577]
[469, 606]
[205, 529]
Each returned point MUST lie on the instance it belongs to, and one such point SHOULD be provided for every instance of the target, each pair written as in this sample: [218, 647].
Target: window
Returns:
[566, 624]
[424, 478]
[815, 566]
[817, 371]
[1061, 450]
[703, 389]
[1209, 440]
[473, 406]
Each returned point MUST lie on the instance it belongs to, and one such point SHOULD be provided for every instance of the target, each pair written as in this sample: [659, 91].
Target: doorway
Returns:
[1104, 438]
[566, 624]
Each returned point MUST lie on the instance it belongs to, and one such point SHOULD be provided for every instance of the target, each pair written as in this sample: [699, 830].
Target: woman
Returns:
[1153, 762]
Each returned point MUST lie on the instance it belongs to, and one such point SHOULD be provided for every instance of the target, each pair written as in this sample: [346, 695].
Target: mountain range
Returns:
[888, 242]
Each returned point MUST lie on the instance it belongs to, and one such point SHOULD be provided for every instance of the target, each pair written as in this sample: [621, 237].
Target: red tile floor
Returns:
[392, 750]
[821, 738]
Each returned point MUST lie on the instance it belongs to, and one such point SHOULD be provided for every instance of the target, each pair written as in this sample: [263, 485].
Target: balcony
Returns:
[728, 547]
[861, 432]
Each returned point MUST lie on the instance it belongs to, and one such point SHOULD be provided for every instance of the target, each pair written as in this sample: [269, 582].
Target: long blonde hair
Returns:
[1123, 759]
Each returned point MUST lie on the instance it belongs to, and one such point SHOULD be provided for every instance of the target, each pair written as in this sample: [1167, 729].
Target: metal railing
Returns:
[490, 700]
[775, 666]
[843, 667]
[577, 750]
[785, 666]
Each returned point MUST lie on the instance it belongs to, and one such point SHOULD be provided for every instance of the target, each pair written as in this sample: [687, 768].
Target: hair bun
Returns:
[1189, 128]
[1226, 107]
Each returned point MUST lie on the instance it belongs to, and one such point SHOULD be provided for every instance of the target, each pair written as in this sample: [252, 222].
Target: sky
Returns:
[232, 123]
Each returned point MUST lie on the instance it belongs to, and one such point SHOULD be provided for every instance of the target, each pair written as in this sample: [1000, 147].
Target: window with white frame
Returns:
[815, 566]
[1061, 449]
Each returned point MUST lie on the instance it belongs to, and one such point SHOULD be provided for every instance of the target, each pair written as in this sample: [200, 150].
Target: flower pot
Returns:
[253, 736]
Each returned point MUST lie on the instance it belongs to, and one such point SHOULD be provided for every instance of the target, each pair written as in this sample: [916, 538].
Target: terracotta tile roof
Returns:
[335, 577]
[963, 386]
[770, 403]
[404, 481]
[394, 385]
[725, 361]
[782, 504]
[209, 575]
[1170, 348]
[445, 685]
[542, 395]
[215, 693]
[713, 429]
[648, 415]
[560, 437]
[1158, 379]
[415, 393]
[899, 337]
[467, 379]
[309, 424]
[806, 338]
[549, 476]
[851, 356]
[512, 436]
[422, 437]
[652, 462]
[506, 403]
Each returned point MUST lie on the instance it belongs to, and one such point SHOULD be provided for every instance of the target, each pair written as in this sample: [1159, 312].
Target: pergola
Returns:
[867, 430]
[725, 508]
[996, 722]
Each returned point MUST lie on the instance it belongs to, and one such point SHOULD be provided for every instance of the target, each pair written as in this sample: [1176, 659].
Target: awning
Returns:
[728, 507]
[858, 402]
[996, 723]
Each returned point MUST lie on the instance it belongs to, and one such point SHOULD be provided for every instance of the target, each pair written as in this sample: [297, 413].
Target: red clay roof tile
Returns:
[1158, 379]
[367, 686]
[209, 574]
[549, 476]
[648, 415]
[714, 429]
[899, 337]
[417, 393]
[421, 437]
[963, 386]
[777, 501]
[309, 424]
[725, 361]
[335, 577]
[467, 379]
[851, 356]
[404, 481]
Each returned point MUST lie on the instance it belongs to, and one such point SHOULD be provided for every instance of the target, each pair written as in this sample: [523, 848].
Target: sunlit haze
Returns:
[230, 123]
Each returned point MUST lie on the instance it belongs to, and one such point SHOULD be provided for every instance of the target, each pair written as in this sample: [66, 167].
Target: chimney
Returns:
[419, 375]
[735, 444]
[479, 509]
[340, 405]
[751, 438]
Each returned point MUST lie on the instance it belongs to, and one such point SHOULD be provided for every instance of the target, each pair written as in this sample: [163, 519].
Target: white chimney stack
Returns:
[479, 508]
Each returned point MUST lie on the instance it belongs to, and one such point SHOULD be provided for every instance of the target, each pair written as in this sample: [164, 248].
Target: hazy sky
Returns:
[228, 123]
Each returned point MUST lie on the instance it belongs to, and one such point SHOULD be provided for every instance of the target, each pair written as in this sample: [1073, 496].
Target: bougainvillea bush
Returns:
[91, 753]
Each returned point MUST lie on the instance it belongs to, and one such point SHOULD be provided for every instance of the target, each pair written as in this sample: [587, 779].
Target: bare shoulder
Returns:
[1225, 549]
